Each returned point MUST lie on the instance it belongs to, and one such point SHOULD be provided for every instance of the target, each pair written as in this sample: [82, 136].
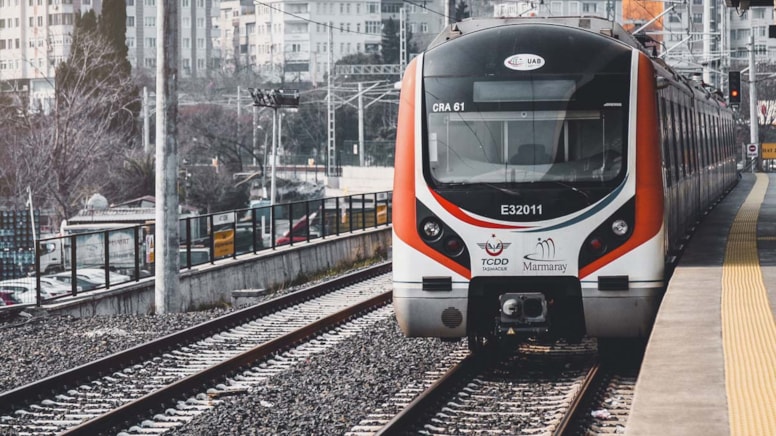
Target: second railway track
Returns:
[104, 396]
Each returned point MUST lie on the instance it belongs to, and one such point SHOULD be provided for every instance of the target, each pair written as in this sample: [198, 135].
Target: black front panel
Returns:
[526, 122]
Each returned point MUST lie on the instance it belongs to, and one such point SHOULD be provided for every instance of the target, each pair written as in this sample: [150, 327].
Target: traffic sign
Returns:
[752, 150]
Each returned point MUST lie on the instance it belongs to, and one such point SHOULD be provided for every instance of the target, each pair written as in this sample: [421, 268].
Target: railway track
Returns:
[112, 394]
[534, 390]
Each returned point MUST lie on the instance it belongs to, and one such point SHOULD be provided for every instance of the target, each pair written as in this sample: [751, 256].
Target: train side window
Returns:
[664, 140]
[676, 125]
[688, 115]
[692, 140]
[674, 143]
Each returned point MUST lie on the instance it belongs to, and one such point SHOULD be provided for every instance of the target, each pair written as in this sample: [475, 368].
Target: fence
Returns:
[101, 259]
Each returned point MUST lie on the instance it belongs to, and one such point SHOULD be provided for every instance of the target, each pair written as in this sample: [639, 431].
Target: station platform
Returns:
[710, 363]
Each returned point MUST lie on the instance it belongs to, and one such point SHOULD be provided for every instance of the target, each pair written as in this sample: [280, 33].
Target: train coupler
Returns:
[522, 314]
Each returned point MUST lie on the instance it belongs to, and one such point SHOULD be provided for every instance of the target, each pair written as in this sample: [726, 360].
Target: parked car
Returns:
[199, 256]
[99, 274]
[82, 283]
[89, 278]
[24, 289]
[7, 298]
[56, 286]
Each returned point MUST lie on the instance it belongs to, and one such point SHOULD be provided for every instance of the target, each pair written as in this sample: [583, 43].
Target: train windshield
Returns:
[525, 131]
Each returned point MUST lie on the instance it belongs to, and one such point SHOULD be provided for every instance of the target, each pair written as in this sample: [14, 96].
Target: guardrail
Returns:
[105, 258]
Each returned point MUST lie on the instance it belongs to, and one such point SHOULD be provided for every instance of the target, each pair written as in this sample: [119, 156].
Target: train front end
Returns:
[528, 190]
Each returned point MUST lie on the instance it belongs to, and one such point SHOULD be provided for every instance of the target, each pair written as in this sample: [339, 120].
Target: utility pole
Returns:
[706, 41]
[331, 168]
[168, 297]
[361, 124]
[275, 99]
[255, 126]
[753, 133]
[403, 40]
[146, 123]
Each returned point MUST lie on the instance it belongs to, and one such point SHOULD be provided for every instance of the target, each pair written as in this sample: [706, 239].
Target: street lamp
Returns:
[275, 99]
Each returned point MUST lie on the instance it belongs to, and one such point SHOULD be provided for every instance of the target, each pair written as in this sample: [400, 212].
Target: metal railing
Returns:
[101, 259]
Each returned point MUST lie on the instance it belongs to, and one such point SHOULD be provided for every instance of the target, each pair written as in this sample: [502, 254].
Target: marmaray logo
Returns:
[545, 250]
[494, 246]
[543, 259]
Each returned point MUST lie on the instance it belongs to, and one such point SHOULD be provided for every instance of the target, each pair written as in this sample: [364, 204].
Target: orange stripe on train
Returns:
[649, 181]
[404, 213]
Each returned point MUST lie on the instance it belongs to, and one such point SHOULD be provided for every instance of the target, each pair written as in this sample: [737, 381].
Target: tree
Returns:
[390, 47]
[91, 124]
[214, 149]
[390, 42]
[461, 11]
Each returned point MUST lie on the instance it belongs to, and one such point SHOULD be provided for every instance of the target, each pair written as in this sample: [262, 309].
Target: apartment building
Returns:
[288, 40]
[35, 36]
[741, 27]
[196, 33]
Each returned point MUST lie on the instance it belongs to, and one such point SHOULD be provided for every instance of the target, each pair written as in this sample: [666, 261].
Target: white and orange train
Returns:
[547, 172]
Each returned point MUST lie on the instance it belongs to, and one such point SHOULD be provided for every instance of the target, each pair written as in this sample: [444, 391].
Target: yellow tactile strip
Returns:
[748, 327]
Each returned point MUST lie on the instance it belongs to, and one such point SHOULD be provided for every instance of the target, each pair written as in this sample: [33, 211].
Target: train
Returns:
[548, 172]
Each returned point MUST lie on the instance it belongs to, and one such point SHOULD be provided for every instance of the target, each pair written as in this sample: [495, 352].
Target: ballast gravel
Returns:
[332, 392]
[37, 346]
[325, 395]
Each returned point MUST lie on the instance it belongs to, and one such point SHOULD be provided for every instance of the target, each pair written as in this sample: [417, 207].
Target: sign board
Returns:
[223, 243]
[224, 218]
[751, 150]
[769, 150]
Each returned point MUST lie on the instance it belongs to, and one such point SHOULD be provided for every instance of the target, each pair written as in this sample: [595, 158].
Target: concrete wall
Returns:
[212, 284]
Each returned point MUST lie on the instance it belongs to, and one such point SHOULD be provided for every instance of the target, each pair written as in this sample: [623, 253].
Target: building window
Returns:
[150, 42]
[589, 8]
[150, 21]
[130, 21]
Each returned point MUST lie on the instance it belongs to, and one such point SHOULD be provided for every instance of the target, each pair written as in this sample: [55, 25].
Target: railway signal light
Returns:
[734, 87]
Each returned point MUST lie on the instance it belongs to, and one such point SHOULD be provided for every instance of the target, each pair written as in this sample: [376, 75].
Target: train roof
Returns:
[590, 23]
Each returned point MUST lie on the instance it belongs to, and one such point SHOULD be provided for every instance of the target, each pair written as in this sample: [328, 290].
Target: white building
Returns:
[196, 30]
[34, 39]
[292, 36]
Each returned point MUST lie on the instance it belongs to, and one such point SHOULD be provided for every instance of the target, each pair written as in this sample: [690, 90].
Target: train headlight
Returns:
[620, 227]
[431, 229]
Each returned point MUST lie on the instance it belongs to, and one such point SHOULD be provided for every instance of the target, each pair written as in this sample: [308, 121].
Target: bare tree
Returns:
[72, 153]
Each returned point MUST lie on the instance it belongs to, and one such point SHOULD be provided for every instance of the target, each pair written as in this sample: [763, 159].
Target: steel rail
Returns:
[400, 423]
[575, 409]
[123, 416]
[36, 391]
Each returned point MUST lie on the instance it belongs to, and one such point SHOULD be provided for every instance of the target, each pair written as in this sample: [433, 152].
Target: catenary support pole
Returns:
[167, 269]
